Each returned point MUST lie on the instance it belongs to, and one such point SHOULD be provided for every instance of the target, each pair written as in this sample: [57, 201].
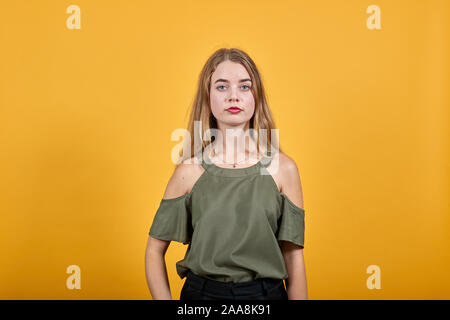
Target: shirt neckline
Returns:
[209, 166]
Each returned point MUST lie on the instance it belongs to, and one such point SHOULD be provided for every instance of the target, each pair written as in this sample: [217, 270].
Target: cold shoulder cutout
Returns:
[172, 220]
[292, 222]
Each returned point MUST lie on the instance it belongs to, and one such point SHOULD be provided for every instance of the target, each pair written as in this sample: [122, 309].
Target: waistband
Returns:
[255, 287]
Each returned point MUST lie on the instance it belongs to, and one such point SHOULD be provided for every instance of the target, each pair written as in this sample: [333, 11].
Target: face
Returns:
[231, 86]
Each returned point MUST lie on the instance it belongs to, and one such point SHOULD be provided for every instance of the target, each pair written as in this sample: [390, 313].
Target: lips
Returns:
[234, 109]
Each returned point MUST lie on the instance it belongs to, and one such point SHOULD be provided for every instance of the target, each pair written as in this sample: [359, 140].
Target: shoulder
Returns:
[183, 178]
[290, 179]
[284, 167]
[288, 165]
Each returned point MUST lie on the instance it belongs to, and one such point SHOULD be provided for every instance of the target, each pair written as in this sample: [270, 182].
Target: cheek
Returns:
[216, 98]
[216, 101]
[250, 111]
[250, 103]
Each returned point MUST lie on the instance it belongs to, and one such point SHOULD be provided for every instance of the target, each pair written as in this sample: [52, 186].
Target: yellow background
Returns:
[86, 118]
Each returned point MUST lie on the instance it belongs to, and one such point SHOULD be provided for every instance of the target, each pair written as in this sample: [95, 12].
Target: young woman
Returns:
[240, 208]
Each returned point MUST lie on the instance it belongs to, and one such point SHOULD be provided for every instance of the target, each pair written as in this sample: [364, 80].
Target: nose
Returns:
[233, 94]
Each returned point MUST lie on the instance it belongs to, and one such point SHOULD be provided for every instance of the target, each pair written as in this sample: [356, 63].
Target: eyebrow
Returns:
[225, 80]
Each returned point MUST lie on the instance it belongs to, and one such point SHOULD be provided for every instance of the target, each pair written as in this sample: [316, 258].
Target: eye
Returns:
[218, 87]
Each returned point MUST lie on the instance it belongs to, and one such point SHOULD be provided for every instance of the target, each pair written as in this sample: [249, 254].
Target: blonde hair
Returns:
[201, 109]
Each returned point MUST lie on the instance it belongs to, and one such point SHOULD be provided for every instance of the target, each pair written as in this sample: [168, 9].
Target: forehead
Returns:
[229, 70]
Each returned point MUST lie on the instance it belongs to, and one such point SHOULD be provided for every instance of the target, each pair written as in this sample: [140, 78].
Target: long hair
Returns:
[201, 109]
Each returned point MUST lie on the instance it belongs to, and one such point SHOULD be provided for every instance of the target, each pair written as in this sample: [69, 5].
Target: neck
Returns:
[234, 145]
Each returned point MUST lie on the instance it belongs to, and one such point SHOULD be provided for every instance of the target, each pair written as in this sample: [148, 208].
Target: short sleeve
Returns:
[291, 225]
[172, 221]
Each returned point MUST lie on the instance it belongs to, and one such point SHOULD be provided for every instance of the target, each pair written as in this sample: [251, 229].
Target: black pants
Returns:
[200, 288]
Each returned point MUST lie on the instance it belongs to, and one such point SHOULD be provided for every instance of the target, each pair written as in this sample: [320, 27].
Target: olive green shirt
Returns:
[233, 221]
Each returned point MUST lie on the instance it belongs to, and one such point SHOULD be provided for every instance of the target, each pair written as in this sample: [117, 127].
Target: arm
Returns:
[155, 269]
[155, 266]
[293, 254]
[296, 283]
